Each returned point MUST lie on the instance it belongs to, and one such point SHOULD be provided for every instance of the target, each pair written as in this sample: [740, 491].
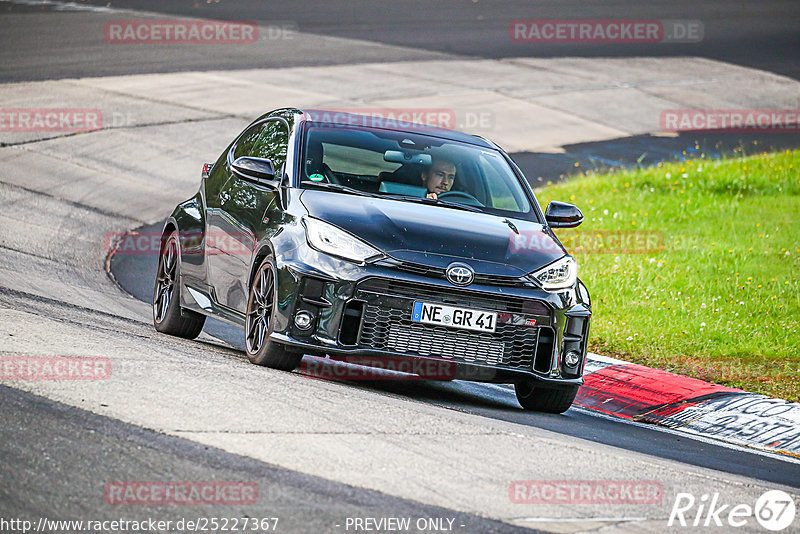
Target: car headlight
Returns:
[560, 274]
[327, 238]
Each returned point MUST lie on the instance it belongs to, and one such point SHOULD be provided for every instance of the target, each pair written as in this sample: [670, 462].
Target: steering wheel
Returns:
[462, 196]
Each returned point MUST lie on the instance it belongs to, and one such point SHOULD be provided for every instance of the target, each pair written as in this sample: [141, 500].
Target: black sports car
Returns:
[335, 234]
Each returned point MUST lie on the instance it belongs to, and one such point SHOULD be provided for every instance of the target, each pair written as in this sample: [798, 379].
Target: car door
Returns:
[237, 211]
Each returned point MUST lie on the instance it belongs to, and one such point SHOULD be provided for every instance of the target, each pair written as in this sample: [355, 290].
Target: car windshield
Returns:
[412, 167]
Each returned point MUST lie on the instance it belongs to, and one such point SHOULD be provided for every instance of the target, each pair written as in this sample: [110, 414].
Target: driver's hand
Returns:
[432, 195]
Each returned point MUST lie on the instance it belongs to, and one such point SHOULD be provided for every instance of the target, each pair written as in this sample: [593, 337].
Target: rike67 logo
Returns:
[774, 511]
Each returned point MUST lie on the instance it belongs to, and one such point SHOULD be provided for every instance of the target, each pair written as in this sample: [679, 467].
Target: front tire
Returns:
[259, 322]
[545, 399]
[168, 317]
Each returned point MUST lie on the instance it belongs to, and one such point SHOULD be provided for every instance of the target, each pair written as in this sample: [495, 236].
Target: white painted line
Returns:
[605, 359]
[62, 6]
[579, 519]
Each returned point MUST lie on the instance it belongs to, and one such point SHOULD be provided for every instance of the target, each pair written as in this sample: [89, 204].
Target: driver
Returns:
[439, 177]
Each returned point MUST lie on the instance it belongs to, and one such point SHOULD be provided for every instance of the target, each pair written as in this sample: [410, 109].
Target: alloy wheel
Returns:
[259, 309]
[165, 281]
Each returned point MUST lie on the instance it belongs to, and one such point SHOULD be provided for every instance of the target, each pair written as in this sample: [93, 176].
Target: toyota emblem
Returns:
[460, 274]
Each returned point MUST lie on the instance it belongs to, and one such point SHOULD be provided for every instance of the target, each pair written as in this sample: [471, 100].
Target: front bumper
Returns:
[365, 312]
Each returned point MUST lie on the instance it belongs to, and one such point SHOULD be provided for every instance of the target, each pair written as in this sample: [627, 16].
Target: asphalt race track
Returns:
[321, 452]
[763, 35]
[42, 435]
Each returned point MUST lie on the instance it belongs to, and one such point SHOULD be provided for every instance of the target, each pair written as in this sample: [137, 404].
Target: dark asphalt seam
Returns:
[155, 100]
[23, 295]
[153, 337]
[34, 255]
[110, 128]
[74, 204]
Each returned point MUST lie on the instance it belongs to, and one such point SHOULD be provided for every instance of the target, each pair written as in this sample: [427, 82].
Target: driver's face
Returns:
[440, 177]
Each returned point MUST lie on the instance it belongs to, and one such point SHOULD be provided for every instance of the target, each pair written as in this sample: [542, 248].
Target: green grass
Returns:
[714, 295]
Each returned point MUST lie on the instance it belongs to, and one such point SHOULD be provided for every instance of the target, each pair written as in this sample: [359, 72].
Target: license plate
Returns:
[465, 318]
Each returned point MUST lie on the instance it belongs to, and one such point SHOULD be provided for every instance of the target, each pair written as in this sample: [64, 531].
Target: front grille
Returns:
[438, 342]
[454, 296]
[386, 325]
[483, 279]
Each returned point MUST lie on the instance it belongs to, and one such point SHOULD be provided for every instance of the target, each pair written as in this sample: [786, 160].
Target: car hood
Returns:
[437, 236]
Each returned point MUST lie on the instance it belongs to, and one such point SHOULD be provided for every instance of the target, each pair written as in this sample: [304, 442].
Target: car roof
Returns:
[388, 122]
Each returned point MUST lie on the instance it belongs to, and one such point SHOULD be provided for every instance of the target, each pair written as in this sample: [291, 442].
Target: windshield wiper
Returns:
[437, 202]
[340, 188]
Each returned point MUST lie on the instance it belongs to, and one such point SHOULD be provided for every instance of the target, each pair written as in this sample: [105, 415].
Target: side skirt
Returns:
[201, 301]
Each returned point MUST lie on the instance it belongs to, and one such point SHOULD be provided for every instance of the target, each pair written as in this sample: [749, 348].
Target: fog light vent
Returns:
[351, 323]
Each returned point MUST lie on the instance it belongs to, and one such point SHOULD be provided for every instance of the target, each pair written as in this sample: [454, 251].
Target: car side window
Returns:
[268, 140]
[503, 196]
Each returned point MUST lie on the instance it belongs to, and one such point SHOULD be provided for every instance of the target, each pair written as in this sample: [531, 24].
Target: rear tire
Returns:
[259, 321]
[168, 317]
[545, 399]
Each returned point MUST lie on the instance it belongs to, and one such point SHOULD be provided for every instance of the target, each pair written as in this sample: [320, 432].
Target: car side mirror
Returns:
[258, 170]
[563, 215]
